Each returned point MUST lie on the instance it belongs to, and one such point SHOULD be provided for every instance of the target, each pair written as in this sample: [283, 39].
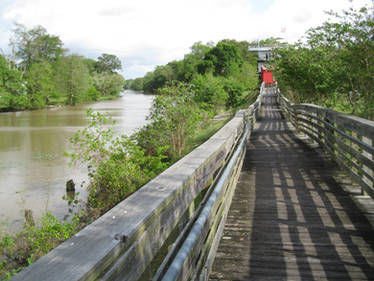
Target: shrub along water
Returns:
[117, 166]
[32, 242]
[180, 120]
[175, 115]
[336, 64]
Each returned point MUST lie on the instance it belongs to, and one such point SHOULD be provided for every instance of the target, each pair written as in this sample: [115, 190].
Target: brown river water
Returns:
[33, 168]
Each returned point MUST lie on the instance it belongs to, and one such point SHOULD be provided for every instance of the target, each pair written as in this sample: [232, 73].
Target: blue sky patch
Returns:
[260, 6]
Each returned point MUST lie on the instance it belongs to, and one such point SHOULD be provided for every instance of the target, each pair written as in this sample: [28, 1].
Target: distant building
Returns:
[264, 55]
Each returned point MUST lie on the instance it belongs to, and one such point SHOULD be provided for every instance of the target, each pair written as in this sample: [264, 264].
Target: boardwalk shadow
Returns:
[290, 220]
[304, 225]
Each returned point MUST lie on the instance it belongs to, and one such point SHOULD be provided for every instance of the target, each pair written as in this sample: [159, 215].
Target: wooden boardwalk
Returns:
[290, 218]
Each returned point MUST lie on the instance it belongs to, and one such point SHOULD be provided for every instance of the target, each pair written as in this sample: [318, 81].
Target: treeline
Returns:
[334, 66]
[209, 80]
[39, 72]
[222, 75]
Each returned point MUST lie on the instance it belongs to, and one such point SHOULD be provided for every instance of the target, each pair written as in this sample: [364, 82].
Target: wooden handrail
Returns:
[127, 242]
[347, 138]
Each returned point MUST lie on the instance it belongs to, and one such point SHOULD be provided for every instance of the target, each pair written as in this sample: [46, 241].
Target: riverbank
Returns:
[35, 240]
[34, 170]
[62, 104]
[119, 165]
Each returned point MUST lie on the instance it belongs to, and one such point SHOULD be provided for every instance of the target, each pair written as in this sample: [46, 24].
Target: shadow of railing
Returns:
[303, 224]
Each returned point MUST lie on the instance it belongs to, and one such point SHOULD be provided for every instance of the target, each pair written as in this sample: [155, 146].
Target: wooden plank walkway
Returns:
[290, 219]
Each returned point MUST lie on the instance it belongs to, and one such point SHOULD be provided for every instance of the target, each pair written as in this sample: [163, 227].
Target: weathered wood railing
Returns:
[347, 138]
[169, 227]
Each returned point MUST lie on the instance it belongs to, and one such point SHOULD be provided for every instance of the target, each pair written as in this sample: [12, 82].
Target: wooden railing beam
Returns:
[353, 151]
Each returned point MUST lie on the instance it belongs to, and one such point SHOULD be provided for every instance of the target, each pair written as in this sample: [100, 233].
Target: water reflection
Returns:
[33, 170]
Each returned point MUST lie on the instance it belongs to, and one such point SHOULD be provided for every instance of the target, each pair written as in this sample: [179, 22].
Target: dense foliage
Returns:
[222, 75]
[334, 67]
[23, 248]
[41, 73]
[174, 117]
[117, 165]
[189, 92]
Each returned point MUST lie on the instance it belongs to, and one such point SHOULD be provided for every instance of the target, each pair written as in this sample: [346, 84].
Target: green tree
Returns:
[174, 118]
[40, 84]
[73, 80]
[91, 65]
[137, 84]
[160, 77]
[210, 92]
[12, 90]
[109, 84]
[335, 65]
[192, 60]
[234, 90]
[206, 67]
[248, 76]
[148, 82]
[108, 63]
[243, 47]
[223, 59]
[351, 35]
[117, 165]
[35, 45]
[309, 72]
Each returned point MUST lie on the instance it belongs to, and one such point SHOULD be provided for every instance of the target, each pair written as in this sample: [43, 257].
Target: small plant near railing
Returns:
[32, 242]
[117, 166]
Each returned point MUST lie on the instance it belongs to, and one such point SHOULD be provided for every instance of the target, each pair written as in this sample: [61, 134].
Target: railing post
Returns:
[320, 126]
[278, 96]
[365, 168]
[354, 159]
[317, 126]
[298, 121]
[292, 115]
[329, 134]
[348, 139]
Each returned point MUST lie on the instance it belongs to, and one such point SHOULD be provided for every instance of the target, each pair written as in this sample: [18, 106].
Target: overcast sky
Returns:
[146, 33]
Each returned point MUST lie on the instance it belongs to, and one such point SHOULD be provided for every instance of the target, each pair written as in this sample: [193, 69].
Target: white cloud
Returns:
[145, 33]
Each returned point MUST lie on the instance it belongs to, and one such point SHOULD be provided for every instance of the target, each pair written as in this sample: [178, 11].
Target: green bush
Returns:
[32, 242]
[235, 90]
[210, 93]
[334, 66]
[117, 165]
[174, 117]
